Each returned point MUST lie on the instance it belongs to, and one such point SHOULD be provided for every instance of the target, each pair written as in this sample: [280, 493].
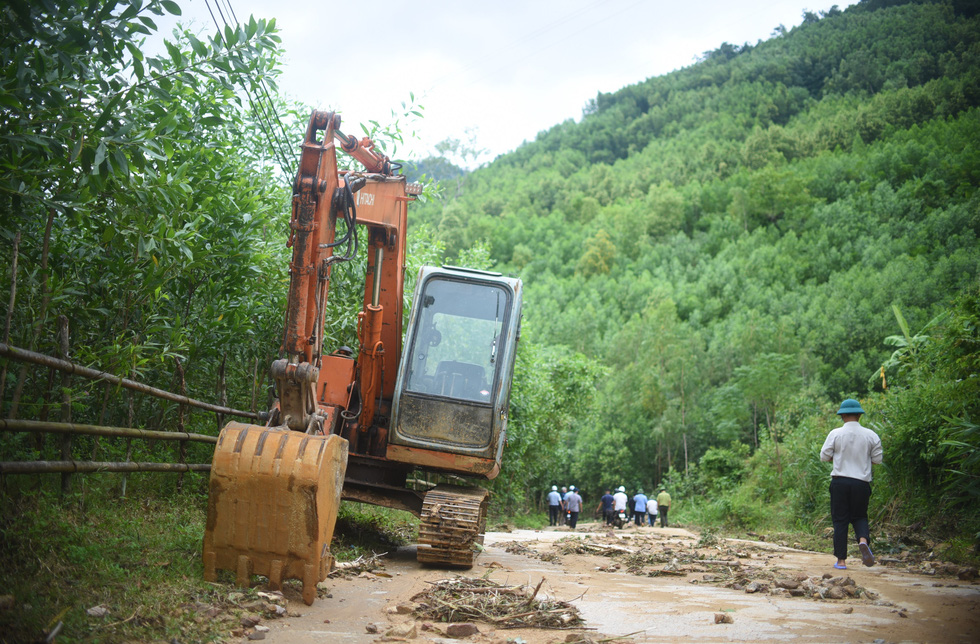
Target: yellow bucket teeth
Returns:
[273, 505]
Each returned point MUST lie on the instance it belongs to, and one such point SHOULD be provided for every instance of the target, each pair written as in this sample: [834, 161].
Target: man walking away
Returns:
[554, 505]
[573, 503]
[639, 506]
[652, 511]
[663, 504]
[620, 500]
[561, 515]
[606, 506]
[853, 449]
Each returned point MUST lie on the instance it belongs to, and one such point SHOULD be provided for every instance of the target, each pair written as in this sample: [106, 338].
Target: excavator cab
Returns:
[449, 410]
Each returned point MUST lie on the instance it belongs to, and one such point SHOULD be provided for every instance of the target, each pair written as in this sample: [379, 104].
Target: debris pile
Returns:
[361, 565]
[464, 599]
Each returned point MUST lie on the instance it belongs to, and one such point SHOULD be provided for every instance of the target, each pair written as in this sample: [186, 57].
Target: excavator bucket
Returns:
[273, 505]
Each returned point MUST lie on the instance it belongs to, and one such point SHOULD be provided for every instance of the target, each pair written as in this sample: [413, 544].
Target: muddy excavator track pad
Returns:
[273, 505]
[452, 525]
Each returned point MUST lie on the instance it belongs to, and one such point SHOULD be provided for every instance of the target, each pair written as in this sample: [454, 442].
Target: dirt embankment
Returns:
[642, 584]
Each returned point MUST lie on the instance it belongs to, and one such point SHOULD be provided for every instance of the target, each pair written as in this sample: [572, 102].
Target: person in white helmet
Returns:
[554, 505]
[620, 499]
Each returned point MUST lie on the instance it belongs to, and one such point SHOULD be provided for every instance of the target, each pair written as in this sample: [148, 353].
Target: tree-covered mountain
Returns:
[726, 245]
[712, 258]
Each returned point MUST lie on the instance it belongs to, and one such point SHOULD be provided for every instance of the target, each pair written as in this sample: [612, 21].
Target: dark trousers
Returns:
[638, 517]
[849, 506]
[572, 519]
[553, 514]
[663, 515]
[608, 515]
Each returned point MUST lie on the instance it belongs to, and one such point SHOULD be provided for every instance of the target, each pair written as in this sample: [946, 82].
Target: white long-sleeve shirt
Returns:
[853, 449]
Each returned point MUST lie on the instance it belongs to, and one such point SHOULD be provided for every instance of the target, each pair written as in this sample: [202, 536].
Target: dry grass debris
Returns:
[466, 599]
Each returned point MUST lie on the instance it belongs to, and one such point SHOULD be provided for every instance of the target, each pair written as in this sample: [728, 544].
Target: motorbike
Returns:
[620, 518]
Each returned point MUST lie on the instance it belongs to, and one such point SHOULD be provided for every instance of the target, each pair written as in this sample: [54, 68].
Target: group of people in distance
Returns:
[565, 506]
[852, 448]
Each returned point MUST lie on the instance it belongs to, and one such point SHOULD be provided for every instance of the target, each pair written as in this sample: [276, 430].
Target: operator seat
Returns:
[459, 379]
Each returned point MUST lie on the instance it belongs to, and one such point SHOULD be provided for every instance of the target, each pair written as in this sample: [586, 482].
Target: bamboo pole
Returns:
[10, 425]
[38, 358]
[10, 313]
[65, 443]
[182, 447]
[42, 316]
[129, 441]
[77, 467]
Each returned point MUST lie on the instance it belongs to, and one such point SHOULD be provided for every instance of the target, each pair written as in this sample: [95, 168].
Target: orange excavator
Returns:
[356, 427]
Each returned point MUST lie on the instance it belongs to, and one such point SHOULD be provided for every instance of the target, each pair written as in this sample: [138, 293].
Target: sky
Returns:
[491, 74]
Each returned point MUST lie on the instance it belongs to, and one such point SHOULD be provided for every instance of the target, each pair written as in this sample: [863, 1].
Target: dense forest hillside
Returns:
[712, 258]
[725, 249]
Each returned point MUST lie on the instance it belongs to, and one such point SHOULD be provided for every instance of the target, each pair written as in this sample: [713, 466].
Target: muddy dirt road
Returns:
[771, 593]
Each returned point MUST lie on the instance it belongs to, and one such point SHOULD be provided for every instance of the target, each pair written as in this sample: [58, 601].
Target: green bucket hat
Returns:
[850, 406]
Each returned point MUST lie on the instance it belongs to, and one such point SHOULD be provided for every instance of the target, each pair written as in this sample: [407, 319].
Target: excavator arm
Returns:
[275, 490]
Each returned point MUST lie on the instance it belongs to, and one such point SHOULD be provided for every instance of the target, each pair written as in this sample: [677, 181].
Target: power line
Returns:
[265, 111]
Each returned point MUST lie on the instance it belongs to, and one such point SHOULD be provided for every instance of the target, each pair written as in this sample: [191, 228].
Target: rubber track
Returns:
[453, 522]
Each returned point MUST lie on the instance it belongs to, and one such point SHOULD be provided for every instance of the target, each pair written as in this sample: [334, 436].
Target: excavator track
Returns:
[452, 525]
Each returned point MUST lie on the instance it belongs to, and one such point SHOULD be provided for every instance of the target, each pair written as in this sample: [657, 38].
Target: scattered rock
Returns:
[259, 628]
[248, 621]
[797, 592]
[967, 574]
[461, 630]
[724, 618]
[754, 587]
[408, 630]
[848, 610]
[788, 584]
[98, 611]
[578, 638]
[257, 635]
[834, 592]
[371, 628]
